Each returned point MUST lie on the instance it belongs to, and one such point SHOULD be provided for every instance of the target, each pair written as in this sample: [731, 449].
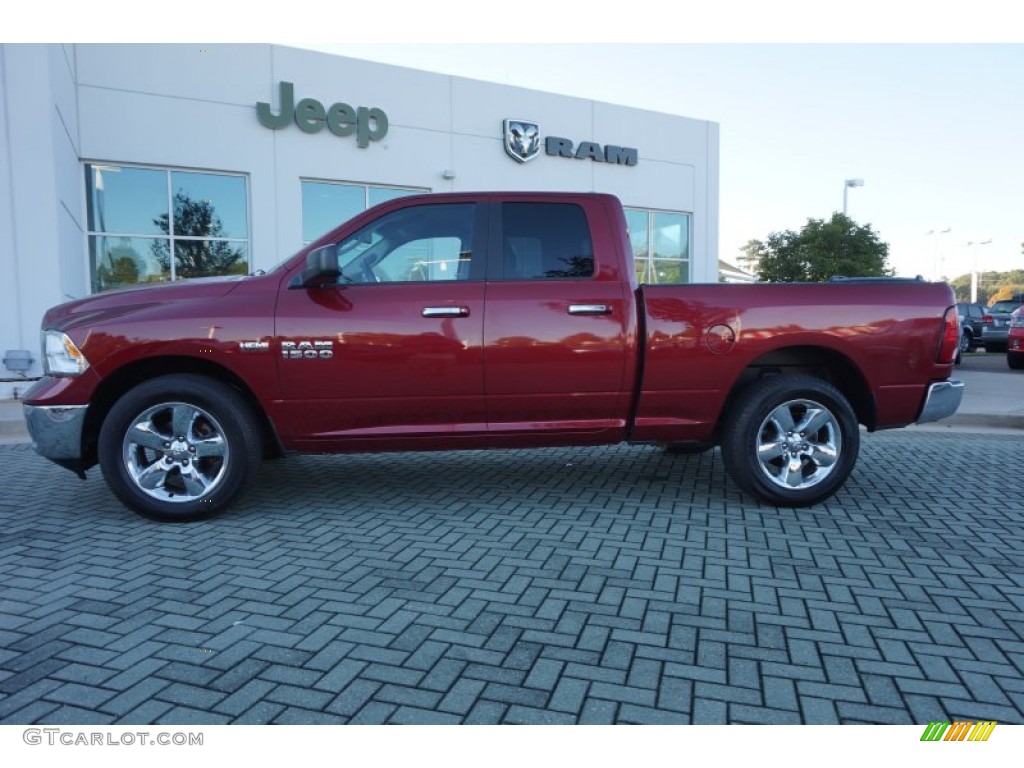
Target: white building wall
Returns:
[40, 229]
[74, 276]
[11, 336]
[183, 106]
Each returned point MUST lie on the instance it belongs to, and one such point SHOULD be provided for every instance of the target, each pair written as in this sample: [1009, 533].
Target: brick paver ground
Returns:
[549, 586]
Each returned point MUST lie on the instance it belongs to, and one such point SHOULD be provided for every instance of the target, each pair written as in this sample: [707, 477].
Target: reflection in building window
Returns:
[661, 245]
[326, 204]
[150, 225]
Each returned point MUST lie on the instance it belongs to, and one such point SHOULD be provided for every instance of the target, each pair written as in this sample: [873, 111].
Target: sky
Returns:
[924, 101]
[934, 130]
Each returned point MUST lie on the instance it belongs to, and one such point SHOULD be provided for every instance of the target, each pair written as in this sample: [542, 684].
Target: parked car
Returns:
[996, 322]
[971, 321]
[1015, 340]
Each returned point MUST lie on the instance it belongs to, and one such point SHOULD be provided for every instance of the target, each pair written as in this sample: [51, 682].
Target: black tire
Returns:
[966, 342]
[761, 454]
[179, 448]
[1015, 361]
[685, 449]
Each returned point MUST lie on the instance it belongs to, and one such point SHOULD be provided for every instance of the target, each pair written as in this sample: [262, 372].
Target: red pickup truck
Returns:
[488, 320]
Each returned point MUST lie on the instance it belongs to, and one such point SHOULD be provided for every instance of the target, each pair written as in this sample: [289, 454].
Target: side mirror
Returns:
[321, 267]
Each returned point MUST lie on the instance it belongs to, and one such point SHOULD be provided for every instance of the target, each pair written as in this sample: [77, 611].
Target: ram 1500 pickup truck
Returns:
[487, 320]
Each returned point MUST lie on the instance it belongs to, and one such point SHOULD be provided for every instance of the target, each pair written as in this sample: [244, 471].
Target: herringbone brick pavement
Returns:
[611, 585]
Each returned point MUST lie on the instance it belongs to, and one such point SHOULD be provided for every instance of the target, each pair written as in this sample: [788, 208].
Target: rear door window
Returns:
[545, 241]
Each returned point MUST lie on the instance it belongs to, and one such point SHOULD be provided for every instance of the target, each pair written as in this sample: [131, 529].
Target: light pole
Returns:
[974, 267]
[935, 250]
[846, 185]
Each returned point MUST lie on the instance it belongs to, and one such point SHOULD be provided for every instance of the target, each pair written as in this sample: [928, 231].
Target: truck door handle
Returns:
[589, 309]
[446, 311]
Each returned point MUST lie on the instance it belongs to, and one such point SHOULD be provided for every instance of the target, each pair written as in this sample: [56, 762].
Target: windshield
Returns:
[1005, 305]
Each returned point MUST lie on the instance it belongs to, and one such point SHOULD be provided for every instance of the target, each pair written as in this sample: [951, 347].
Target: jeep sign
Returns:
[367, 123]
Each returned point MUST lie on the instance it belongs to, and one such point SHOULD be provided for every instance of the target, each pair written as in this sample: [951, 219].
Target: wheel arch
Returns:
[128, 376]
[824, 363]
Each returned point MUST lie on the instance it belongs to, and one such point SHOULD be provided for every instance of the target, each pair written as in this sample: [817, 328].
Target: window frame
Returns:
[170, 237]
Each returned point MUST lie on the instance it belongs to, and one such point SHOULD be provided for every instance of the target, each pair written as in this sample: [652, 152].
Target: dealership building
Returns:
[119, 162]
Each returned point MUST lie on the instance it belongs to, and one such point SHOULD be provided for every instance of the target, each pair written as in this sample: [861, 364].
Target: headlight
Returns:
[60, 355]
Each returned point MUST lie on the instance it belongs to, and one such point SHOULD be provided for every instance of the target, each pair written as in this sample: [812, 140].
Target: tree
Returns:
[120, 270]
[962, 287]
[1005, 292]
[992, 286]
[820, 250]
[196, 258]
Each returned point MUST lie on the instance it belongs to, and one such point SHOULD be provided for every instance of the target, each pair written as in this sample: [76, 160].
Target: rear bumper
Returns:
[942, 401]
[994, 335]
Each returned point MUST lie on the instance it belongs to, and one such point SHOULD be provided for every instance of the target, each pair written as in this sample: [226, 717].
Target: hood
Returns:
[124, 301]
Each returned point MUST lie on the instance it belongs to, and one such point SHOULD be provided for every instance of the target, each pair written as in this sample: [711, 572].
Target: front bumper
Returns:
[56, 432]
[942, 401]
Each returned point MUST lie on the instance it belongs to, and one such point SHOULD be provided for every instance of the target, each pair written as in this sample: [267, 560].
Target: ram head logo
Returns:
[522, 140]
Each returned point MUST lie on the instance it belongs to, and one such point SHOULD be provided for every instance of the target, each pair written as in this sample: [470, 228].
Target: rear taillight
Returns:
[986, 318]
[950, 336]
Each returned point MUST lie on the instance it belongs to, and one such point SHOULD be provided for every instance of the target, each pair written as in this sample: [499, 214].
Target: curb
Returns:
[13, 430]
[962, 422]
[1005, 420]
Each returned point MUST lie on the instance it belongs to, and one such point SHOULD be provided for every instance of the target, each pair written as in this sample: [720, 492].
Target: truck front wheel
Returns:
[179, 448]
[792, 440]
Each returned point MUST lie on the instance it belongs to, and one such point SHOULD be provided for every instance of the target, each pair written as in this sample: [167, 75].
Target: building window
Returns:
[661, 245]
[326, 204]
[152, 224]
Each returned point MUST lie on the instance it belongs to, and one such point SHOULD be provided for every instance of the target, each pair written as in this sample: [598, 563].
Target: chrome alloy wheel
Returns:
[798, 444]
[175, 452]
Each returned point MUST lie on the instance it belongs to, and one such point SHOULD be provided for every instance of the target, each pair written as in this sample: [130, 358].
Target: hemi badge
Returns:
[254, 346]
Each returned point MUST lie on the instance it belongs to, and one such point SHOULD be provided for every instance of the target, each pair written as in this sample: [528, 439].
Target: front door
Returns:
[392, 352]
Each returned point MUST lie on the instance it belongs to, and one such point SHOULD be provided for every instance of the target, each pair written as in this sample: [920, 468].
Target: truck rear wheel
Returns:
[179, 448]
[792, 441]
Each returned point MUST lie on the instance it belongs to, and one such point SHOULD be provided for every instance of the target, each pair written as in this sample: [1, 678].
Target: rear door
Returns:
[559, 331]
[393, 350]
